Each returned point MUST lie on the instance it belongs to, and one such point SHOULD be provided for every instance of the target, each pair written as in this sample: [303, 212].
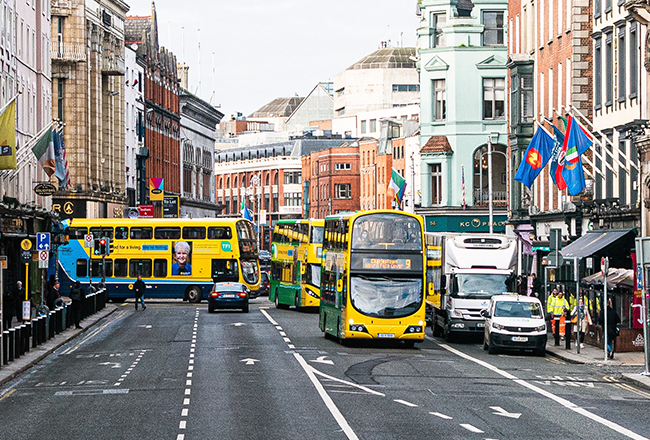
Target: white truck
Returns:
[464, 272]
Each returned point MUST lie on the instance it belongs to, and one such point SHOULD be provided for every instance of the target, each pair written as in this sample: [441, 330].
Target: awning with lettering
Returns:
[593, 242]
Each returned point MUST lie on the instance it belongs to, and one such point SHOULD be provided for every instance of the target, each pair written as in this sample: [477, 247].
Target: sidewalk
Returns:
[35, 355]
[592, 355]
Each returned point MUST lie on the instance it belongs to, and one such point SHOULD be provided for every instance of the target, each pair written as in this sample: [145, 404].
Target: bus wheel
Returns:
[277, 299]
[194, 295]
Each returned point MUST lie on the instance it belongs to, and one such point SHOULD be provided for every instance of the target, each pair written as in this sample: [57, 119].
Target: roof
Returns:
[437, 144]
[388, 58]
[279, 107]
[592, 242]
[134, 27]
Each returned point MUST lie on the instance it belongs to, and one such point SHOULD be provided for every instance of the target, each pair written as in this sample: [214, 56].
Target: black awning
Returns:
[592, 242]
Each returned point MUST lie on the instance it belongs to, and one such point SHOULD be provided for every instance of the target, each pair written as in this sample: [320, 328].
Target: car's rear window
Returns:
[227, 287]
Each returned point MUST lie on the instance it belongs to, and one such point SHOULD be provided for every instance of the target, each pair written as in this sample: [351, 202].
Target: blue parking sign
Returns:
[43, 241]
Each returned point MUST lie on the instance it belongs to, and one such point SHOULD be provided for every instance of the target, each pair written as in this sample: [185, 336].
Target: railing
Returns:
[17, 340]
[482, 198]
[113, 65]
[68, 52]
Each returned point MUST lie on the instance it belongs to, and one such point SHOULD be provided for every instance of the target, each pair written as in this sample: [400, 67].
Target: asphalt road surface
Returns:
[176, 372]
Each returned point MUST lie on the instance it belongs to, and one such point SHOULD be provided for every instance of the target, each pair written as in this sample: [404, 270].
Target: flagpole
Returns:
[491, 214]
[2, 110]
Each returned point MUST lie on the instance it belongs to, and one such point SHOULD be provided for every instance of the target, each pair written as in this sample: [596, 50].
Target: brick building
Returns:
[331, 180]
[162, 104]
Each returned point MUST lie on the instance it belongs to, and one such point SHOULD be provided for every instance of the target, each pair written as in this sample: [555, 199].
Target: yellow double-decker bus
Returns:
[373, 276]
[177, 258]
[296, 263]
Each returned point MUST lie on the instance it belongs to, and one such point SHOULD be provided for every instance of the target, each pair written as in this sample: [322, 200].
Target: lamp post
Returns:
[255, 197]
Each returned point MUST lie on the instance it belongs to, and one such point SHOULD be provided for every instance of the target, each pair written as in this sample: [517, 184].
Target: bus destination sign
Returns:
[387, 263]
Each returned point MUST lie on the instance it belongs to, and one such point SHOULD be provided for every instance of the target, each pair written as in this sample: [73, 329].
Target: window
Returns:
[406, 87]
[608, 6]
[60, 99]
[77, 233]
[194, 232]
[598, 73]
[97, 270]
[364, 126]
[436, 184]
[440, 100]
[342, 166]
[436, 35]
[145, 233]
[82, 268]
[493, 98]
[598, 8]
[343, 191]
[292, 199]
[219, 233]
[167, 233]
[633, 60]
[527, 94]
[292, 177]
[341, 111]
[102, 232]
[493, 28]
[120, 267]
[140, 267]
[160, 268]
[373, 125]
[609, 69]
[621, 64]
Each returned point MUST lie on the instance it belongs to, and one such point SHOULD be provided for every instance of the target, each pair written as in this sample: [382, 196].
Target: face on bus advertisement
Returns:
[182, 256]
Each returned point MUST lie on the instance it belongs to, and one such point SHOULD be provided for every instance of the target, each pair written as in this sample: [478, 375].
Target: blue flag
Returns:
[536, 157]
[245, 212]
[558, 138]
[577, 142]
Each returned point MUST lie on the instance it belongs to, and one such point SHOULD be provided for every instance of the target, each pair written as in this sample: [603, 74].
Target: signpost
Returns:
[604, 264]
[26, 257]
[642, 245]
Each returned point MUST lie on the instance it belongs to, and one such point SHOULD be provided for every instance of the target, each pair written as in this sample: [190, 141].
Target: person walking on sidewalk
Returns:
[585, 317]
[19, 297]
[8, 308]
[557, 305]
[138, 288]
[77, 295]
[612, 328]
[52, 295]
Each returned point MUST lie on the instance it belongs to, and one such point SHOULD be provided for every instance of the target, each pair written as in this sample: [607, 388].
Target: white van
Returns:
[514, 322]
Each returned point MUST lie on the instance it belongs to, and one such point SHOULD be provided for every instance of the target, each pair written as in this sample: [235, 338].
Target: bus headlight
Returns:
[358, 328]
[414, 329]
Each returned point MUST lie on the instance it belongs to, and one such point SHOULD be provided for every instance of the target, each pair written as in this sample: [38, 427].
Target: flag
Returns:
[59, 171]
[535, 158]
[44, 151]
[66, 181]
[398, 185]
[576, 142]
[8, 138]
[557, 156]
[244, 211]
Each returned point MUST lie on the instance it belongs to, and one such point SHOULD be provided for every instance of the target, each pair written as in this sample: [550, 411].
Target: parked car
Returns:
[514, 322]
[228, 296]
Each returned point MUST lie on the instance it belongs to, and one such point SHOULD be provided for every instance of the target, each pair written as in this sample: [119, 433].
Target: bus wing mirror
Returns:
[302, 269]
[339, 285]
[431, 289]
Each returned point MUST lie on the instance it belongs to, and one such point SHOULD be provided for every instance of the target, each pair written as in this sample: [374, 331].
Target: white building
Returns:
[134, 121]
[368, 124]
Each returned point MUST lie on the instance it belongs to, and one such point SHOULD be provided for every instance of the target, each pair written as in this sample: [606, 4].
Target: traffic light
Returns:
[108, 246]
[96, 246]
[104, 246]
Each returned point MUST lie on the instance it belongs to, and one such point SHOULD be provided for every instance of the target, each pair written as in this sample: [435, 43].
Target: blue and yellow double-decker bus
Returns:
[177, 258]
[373, 276]
[296, 263]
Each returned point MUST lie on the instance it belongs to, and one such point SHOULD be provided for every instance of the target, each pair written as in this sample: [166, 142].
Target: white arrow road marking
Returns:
[238, 324]
[404, 402]
[471, 428]
[322, 360]
[502, 412]
[114, 364]
[250, 361]
[144, 326]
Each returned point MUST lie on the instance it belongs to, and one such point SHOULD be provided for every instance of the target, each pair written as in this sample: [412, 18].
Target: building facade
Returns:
[88, 89]
[134, 126]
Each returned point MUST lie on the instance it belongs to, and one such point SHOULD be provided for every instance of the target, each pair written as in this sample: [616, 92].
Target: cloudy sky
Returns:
[264, 49]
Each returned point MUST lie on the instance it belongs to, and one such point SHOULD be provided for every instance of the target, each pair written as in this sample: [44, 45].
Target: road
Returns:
[176, 372]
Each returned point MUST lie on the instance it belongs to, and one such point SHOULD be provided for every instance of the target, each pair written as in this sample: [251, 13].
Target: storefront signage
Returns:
[12, 225]
[170, 206]
[145, 211]
[464, 223]
[45, 189]
[67, 208]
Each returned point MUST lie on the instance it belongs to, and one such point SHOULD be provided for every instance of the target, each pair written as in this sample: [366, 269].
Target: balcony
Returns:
[499, 198]
[73, 53]
[112, 65]
[61, 7]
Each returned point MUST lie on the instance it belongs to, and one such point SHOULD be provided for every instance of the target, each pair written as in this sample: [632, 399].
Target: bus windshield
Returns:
[386, 297]
[479, 285]
[386, 231]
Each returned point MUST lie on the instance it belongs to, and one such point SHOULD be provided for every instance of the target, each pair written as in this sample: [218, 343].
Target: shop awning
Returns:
[615, 278]
[592, 242]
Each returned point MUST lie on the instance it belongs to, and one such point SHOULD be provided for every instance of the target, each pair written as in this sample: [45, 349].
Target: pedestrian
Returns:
[537, 286]
[568, 324]
[139, 288]
[53, 295]
[19, 297]
[585, 317]
[612, 328]
[77, 295]
[556, 307]
[8, 308]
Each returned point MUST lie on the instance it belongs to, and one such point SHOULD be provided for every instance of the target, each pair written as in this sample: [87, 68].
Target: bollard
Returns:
[5, 347]
[42, 330]
[12, 347]
[27, 334]
[59, 320]
[34, 331]
[19, 341]
[68, 316]
[50, 325]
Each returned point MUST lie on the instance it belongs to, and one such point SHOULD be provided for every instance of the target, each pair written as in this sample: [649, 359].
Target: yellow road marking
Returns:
[7, 394]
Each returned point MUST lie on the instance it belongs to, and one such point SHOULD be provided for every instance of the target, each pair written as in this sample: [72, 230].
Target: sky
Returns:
[266, 49]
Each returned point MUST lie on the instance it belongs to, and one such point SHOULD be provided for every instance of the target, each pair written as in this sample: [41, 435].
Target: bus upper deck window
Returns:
[194, 233]
[219, 233]
[122, 233]
[141, 233]
[167, 233]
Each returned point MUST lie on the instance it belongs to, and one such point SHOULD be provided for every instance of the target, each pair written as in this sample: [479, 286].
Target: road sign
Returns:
[25, 256]
[43, 241]
[88, 240]
[639, 278]
[43, 259]
[604, 265]
[554, 259]
[26, 244]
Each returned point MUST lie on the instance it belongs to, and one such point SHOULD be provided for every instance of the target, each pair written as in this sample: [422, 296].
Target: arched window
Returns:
[236, 181]
[268, 179]
[481, 170]
[275, 178]
[228, 183]
[220, 183]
